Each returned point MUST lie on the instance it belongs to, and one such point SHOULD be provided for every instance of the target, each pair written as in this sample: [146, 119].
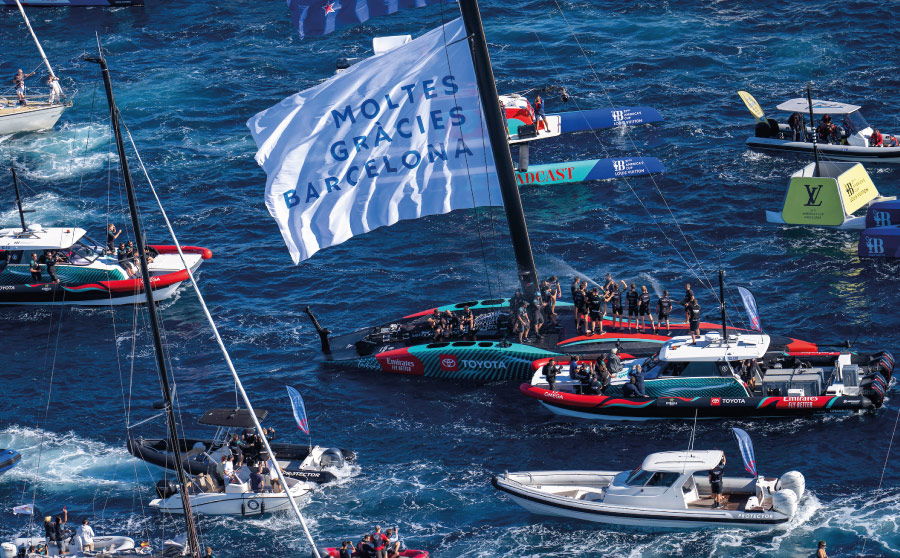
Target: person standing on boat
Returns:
[578, 302]
[694, 319]
[50, 261]
[379, 541]
[595, 305]
[615, 296]
[632, 297]
[111, 235]
[664, 305]
[86, 533]
[55, 90]
[686, 302]
[55, 532]
[644, 308]
[536, 314]
[539, 112]
[826, 130]
[796, 124]
[550, 371]
[613, 362]
[19, 82]
[35, 268]
[716, 475]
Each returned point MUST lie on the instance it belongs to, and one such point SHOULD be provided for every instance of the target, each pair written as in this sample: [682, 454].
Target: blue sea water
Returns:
[188, 75]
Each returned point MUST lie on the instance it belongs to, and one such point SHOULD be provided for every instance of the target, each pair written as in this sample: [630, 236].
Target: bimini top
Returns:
[232, 418]
[819, 107]
[682, 461]
[39, 238]
[711, 348]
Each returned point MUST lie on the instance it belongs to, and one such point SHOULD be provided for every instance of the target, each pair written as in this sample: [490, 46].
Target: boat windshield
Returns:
[653, 367]
[640, 477]
[854, 122]
[81, 253]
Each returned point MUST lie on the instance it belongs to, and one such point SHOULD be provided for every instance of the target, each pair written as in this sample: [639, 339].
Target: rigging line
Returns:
[709, 284]
[221, 343]
[883, 470]
[656, 222]
[487, 274]
[87, 141]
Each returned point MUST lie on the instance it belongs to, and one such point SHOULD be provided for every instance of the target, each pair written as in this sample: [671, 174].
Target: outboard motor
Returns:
[785, 502]
[793, 481]
[332, 457]
[872, 387]
[883, 362]
[166, 488]
[763, 130]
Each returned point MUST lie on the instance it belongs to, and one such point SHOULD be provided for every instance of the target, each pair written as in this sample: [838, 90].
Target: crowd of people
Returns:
[56, 534]
[246, 452]
[593, 305]
[447, 324]
[829, 132]
[592, 377]
[377, 545]
[19, 78]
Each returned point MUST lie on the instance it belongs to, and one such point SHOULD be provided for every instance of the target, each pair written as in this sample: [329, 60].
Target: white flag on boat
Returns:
[396, 136]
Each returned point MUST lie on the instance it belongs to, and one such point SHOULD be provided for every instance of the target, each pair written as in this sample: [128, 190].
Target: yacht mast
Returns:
[18, 199]
[36, 41]
[496, 127]
[193, 543]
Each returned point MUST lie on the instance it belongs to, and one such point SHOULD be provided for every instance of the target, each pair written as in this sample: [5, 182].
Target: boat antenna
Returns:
[496, 128]
[36, 41]
[22, 212]
[237, 380]
[722, 303]
[192, 541]
[812, 126]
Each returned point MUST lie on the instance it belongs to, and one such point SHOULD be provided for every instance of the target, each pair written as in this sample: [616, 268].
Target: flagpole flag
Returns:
[397, 136]
[320, 17]
[25, 509]
[746, 446]
[299, 409]
[750, 306]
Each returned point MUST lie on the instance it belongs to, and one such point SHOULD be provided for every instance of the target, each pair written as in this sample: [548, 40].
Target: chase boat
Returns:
[669, 489]
[853, 132]
[202, 455]
[684, 380]
[8, 459]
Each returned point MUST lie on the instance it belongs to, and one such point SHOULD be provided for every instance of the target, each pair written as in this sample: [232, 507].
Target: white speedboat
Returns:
[669, 489]
[41, 111]
[852, 142]
[209, 497]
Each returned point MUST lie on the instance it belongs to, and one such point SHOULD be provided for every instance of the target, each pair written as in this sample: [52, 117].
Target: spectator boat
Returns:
[88, 275]
[706, 379]
[668, 490]
[202, 455]
[8, 459]
[853, 132]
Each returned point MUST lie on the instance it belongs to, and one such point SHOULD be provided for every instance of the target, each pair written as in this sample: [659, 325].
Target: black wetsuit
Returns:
[665, 307]
[35, 275]
[578, 300]
[617, 302]
[644, 308]
[695, 316]
[632, 298]
[50, 262]
[595, 302]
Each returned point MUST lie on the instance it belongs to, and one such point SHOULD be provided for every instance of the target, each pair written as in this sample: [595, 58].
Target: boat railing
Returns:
[11, 98]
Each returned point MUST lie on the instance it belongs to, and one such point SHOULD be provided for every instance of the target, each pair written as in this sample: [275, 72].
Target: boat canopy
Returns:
[232, 418]
[801, 105]
[38, 238]
[682, 461]
[711, 347]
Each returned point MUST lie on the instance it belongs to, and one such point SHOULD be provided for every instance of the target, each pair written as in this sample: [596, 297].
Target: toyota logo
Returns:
[448, 362]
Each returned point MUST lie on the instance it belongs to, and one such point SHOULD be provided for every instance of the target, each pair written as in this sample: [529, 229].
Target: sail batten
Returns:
[397, 136]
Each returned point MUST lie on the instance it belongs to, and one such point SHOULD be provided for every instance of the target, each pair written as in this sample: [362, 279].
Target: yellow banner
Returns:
[813, 201]
[752, 106]
[856, 188]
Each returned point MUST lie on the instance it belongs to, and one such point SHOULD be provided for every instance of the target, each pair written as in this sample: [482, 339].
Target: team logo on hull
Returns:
[449, 363]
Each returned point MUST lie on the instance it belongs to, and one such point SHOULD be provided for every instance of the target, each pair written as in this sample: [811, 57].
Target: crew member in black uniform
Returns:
[595, 303]
[665, 307]
[435, 323]
[537, 312]
[50, 262]
[716, 476]
[694, 319]
[615, 297]
[688, 296]
[578, 299]
[644, 308]
[550, 371]
[35, 269]
[468, 320]
[631, 297]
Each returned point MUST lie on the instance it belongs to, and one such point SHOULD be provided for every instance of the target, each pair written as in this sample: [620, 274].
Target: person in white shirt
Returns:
[273, 474]
[394, 542]
[228, 466]
[87, 536]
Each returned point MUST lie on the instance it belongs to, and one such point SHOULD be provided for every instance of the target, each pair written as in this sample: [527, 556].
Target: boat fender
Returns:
[166, 488]
[332, 457]
[793, 481]
[262, 506]
[243, 510]
[785, 502]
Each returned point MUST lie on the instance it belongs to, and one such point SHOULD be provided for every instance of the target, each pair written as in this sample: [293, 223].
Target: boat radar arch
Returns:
[682, 461]
[801, 105]
[39, 238]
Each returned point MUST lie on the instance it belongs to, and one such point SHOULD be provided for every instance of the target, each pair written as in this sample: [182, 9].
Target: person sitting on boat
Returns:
[86, 534]
[826, 130]
[638, 374]
[35, 268]
[539, 112]
[257, 480]
[395, 545]
[796, 124]
[346, 550]
[876, 139]
[19, 82]
[602, 375]
[632, 298]
[630, 389]
[644, 308]
[451, 323]
[435, 324]
[694, 319]
[664, 307]
[892, 141]
[716, 475]
[550, 371]
[613, 362]
[228, 466]
[364, 547]
[468, 320]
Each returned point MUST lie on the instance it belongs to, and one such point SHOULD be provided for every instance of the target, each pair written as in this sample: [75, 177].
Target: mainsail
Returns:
[398, 136]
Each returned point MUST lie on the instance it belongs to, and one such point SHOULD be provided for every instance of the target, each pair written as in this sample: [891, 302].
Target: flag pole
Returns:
[496, 128]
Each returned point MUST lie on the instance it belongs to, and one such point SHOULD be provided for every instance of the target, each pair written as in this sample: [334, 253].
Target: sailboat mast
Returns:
[193, 543]
[722, 300]
[496, 127]
[812, 126]
[18, 199]
[36, 41]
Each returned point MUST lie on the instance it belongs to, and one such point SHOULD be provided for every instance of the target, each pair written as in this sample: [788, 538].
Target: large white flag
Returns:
[396, 136]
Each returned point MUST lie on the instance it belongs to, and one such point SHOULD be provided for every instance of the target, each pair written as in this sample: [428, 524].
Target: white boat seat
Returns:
[236, 488]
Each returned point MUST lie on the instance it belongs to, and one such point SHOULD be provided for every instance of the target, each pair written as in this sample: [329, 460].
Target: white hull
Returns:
[118, 543]
[29, 120]
[158, 295]
[243, 504]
